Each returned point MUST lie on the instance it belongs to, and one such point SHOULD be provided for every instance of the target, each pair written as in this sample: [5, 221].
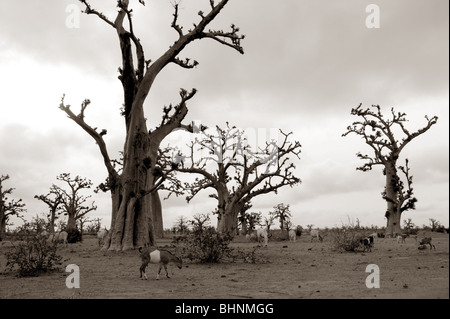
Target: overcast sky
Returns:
[306, 65]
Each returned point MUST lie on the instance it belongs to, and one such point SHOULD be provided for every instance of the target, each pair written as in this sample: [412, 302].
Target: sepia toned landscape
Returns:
[226, 141]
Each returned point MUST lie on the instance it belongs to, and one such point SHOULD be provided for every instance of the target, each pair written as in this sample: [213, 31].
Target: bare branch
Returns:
[89, 10]
[222, 37]
[98, 137]
[174, 21]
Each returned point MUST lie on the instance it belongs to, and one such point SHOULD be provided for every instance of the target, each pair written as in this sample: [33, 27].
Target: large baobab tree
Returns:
[8, 207]
[133, 190]
[377, 130]
[236, 173]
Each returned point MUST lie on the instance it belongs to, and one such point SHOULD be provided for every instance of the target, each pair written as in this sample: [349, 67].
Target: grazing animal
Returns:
[315, 234]
[367, 243]
[427, 241]
[101, 236]
[261, 234]
[292, 235]
[401, 238]
[161, 257]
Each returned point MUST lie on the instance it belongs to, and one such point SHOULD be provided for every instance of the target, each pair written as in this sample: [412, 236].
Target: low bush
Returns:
[347, 238]
[33, 256]
[207, 245]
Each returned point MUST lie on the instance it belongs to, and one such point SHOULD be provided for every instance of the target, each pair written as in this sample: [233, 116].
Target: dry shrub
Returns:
[348, 237]
[33, 256]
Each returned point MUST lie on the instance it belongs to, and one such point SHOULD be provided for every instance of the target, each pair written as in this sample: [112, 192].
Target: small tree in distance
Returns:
[283, 213]
[72, 201]
[8, 207]
[237, 173]
[53, 199]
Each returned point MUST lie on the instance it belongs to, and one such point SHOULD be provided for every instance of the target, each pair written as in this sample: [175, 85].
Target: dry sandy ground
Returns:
[287, 270]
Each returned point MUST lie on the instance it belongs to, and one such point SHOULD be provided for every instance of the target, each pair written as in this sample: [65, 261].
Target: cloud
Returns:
[306, 64]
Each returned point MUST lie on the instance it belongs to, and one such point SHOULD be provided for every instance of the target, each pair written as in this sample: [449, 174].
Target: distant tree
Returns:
[94, 226]
[73, 202]
[53, 199]
[181, 225]
[251, 220]
[434, 223]
[8, 207]
[199, 222]
[408, 224]
[309, 226]
[282, 212]
[377, 131]
[267, 222]
[134, 191]
[81, 222]
[288, 224]
[236, 172]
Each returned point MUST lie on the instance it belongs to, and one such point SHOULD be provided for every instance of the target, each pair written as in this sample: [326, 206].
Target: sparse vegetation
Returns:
[207, 245]
[32, 254]
[348, 237]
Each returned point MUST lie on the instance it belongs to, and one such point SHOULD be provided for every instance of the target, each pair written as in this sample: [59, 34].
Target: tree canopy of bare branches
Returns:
[136, 207]
[381, 133]
[236, 172]
[73, 203]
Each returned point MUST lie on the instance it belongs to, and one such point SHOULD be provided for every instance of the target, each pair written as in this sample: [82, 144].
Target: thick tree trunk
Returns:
[71, 223]
[2, 227]
[157, 214]
[132, 222]
[393, 225]
[244, 227]
[393, 213]
[227, 219]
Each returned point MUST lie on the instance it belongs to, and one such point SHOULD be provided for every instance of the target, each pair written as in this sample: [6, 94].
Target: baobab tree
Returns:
[283, 213]
[235, 172]
[8, 207]
[134, 189]
[252, 219]
[73, 203]
[53, 199]
[377, 131]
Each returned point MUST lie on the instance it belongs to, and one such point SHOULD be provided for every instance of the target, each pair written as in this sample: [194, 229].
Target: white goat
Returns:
[315, 233]
[261, 234]
[292, 235]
